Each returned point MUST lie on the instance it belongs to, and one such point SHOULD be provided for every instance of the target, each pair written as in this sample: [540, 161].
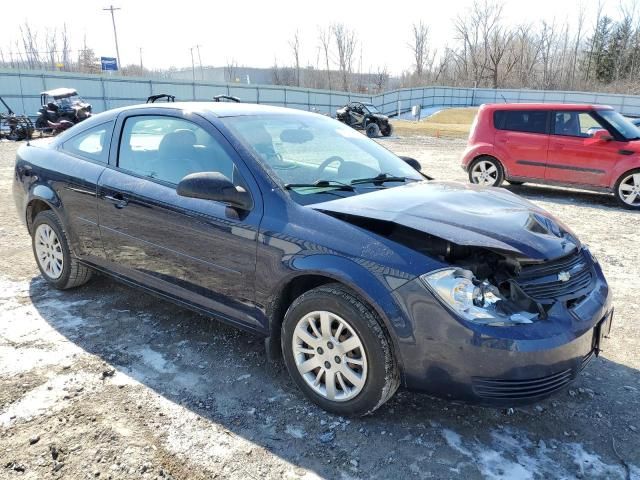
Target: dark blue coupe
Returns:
[356, 268]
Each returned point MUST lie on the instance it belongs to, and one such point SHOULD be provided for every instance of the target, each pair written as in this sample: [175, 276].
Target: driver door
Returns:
[199, 251]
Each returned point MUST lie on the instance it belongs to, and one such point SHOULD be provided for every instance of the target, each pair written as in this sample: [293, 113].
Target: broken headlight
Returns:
[475, 301]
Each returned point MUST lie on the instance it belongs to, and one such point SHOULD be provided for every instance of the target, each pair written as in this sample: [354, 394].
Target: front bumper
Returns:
[498, 366]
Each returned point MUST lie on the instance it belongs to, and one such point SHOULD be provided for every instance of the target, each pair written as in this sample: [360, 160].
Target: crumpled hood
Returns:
[464, 214]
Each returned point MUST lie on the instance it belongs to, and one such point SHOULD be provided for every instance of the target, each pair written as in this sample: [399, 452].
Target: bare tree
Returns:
[30, 44]
[381, 79]
[230, 70]
[346, 42]
[501, 56]
[419, 46]
[295, 49]
[324, 36]
[51, 42]
[66, 48]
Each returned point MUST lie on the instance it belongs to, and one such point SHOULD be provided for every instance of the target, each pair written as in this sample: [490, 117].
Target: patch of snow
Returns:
[295, 432]
[46, 398]
[510, 454]
[454, 440]
[14, 360]
[155, 360]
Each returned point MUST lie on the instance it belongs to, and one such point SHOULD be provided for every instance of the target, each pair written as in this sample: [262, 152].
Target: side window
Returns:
[574, 124]
[92, 144]
[170, 148]
[530, 121]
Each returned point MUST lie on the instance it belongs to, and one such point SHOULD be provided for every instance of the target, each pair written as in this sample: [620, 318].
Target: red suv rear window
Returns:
[531, 121]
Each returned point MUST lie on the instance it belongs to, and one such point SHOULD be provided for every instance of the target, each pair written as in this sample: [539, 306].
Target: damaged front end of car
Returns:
[508, 295]
[497, 288]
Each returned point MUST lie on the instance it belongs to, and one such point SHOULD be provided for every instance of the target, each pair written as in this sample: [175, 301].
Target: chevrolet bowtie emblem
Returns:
[564, 276]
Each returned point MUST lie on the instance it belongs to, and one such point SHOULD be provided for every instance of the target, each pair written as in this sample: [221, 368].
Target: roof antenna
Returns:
[505, 100]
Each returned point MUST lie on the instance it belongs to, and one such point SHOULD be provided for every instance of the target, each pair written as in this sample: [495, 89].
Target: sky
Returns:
[257, 33]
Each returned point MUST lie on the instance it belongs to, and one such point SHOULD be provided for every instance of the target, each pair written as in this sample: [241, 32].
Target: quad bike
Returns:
[14, 127]
[63, 108]
[365, 116]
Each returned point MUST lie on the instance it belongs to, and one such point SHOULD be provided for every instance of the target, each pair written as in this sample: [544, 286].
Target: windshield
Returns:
[302, 150]
[371, 108]
[627, 129]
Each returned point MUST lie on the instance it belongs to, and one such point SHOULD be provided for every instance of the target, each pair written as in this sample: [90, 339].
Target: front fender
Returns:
[373, 283]
[621, 167]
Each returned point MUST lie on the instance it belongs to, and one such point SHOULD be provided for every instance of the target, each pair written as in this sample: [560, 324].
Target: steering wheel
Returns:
[322, 167]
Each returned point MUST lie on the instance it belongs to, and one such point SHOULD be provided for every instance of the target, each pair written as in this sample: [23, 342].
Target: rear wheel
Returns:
[486, 171]
[373, 130]
[627, 189]
[337, 352]
[53, 256]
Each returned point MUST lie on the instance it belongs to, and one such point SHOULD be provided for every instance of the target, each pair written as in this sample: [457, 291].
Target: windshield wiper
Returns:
[321, 184]
[379, 179]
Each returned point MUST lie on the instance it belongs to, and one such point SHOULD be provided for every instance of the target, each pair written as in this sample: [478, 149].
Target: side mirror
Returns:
[412, 162]
[601, 135]
[214, 186]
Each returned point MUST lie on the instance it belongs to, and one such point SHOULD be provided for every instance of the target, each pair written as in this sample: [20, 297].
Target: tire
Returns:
[627, 189]
[373, 130]
[51, 250]
[514, 182]
[41, 123]
[388, 131]
[487, 171]
[362, 383]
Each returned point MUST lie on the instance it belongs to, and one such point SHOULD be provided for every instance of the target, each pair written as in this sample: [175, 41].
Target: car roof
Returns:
[544, 106]
[60, 92]
[217, 109]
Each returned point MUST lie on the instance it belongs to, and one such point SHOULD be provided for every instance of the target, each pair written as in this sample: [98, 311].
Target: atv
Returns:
[61, 106]
[14, 127]
[365, 116]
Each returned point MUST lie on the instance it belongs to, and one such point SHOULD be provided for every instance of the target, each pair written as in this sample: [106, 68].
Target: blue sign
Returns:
[109, 63]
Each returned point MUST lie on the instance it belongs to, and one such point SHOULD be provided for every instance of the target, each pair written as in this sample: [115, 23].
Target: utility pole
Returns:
[193, 66]
[200, 62]
[115, 34]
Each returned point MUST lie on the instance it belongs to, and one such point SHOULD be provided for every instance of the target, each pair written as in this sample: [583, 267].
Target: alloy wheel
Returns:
[484, 173]
[629, 189]
[330, 356]
[49, 251]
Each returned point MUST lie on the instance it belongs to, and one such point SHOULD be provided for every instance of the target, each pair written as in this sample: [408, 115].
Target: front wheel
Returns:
[486, 171]
[627, 190]
[51, 248]
[337, 352]
[373, 130]
[388, 131]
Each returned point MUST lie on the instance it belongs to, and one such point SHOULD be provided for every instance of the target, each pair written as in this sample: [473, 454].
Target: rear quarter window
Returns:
[530, 121]
[92, 144]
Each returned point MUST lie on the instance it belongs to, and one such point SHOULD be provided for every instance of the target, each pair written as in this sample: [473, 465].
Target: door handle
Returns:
[117, 199]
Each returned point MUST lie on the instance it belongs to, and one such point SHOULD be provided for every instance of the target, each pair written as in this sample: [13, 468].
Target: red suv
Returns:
[584, 146]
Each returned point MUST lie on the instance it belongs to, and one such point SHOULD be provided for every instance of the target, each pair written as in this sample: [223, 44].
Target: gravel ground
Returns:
[107, 382]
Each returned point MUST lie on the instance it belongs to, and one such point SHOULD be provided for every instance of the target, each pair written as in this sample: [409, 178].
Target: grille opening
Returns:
[568, 278]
